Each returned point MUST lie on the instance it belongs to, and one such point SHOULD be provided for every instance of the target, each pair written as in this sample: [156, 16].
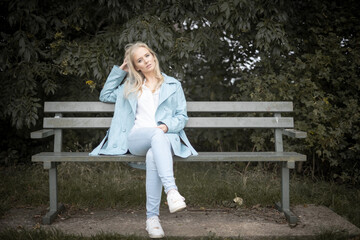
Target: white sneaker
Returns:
[175, 201]
[153, 227]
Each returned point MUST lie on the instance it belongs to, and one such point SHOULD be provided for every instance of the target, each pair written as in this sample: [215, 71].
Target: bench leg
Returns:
[55, 208]
[284, 205]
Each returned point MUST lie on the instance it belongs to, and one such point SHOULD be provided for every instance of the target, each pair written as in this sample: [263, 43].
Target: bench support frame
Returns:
[55, 207]
[284, 205]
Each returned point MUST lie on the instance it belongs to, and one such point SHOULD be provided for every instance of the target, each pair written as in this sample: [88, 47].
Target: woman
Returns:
[149, 118]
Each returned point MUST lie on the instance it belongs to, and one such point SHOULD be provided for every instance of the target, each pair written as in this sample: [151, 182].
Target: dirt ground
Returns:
[247, 223]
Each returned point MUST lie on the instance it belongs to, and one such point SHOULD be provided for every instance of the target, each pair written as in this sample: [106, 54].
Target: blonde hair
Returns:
[135, 78]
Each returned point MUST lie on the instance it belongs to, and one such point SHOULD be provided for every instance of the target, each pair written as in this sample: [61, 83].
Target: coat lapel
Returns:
[167, 88]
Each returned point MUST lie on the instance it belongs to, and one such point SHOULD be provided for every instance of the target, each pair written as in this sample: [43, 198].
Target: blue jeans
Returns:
[153, 143]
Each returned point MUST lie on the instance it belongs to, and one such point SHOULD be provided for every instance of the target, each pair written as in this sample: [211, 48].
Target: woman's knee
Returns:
[159, 135]
[159, 132]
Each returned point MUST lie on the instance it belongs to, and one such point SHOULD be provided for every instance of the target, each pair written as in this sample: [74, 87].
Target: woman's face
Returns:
[144, 61]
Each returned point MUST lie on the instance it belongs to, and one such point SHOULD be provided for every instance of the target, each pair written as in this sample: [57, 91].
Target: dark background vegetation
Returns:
[307, 52]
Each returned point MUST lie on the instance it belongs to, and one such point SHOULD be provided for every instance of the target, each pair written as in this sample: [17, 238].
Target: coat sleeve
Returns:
[177, 122]
[109, 92]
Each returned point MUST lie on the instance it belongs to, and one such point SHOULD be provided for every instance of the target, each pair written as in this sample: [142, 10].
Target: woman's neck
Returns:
[151, 78]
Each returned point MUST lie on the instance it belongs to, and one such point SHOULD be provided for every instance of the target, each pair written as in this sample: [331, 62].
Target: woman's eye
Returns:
[139, 61]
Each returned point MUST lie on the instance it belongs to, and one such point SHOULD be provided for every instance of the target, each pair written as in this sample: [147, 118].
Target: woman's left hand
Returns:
[124, 66]
[163, 127]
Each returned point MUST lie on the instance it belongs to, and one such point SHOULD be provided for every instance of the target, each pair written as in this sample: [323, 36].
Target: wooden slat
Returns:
[240, 107]
[240, 122]
[77, 122]
[202, 157]
[294, 133]
[43, 133]
[99, 107]
[194, 122]
[80, 107]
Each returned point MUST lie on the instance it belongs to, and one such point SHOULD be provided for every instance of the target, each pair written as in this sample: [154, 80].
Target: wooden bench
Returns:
[282, 126]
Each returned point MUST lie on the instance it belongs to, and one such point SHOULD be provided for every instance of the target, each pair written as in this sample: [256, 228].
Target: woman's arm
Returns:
[109, 93]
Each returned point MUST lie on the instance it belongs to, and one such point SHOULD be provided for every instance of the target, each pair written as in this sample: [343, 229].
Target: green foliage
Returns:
[320, 75]
[302, 51]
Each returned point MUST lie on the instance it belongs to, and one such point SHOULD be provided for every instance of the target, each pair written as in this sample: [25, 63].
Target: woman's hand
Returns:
[124, 66]
[163, 127]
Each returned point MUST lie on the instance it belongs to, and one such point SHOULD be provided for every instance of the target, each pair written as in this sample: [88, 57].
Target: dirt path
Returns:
[247, 223]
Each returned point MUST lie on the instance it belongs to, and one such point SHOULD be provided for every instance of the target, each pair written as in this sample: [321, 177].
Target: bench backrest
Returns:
[275, 121]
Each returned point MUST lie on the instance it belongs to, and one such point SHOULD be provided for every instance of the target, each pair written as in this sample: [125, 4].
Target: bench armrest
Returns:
[294, 133]
[42, 133]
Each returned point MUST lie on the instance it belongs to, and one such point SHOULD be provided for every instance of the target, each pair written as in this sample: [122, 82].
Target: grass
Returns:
[205, 185]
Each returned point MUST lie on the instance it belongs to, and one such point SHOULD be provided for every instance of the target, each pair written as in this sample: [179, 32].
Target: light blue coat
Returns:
[171, 111]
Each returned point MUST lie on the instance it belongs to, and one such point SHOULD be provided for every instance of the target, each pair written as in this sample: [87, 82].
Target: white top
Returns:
[146, 108]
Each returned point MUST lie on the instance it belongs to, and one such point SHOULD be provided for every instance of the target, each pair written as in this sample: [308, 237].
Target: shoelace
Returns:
[155, 223]
[174, 197]
[153, 220]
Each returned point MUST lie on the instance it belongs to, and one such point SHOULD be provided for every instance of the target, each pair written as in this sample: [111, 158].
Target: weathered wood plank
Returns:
[97, 107]
[294, 133]
[239, 107]
[240, 122]
[202, 157]
[194, 122]
[78, 107]
[43, 133]
[81, 122]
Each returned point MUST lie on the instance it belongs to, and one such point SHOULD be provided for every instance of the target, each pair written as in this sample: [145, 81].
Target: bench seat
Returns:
[202, 157]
